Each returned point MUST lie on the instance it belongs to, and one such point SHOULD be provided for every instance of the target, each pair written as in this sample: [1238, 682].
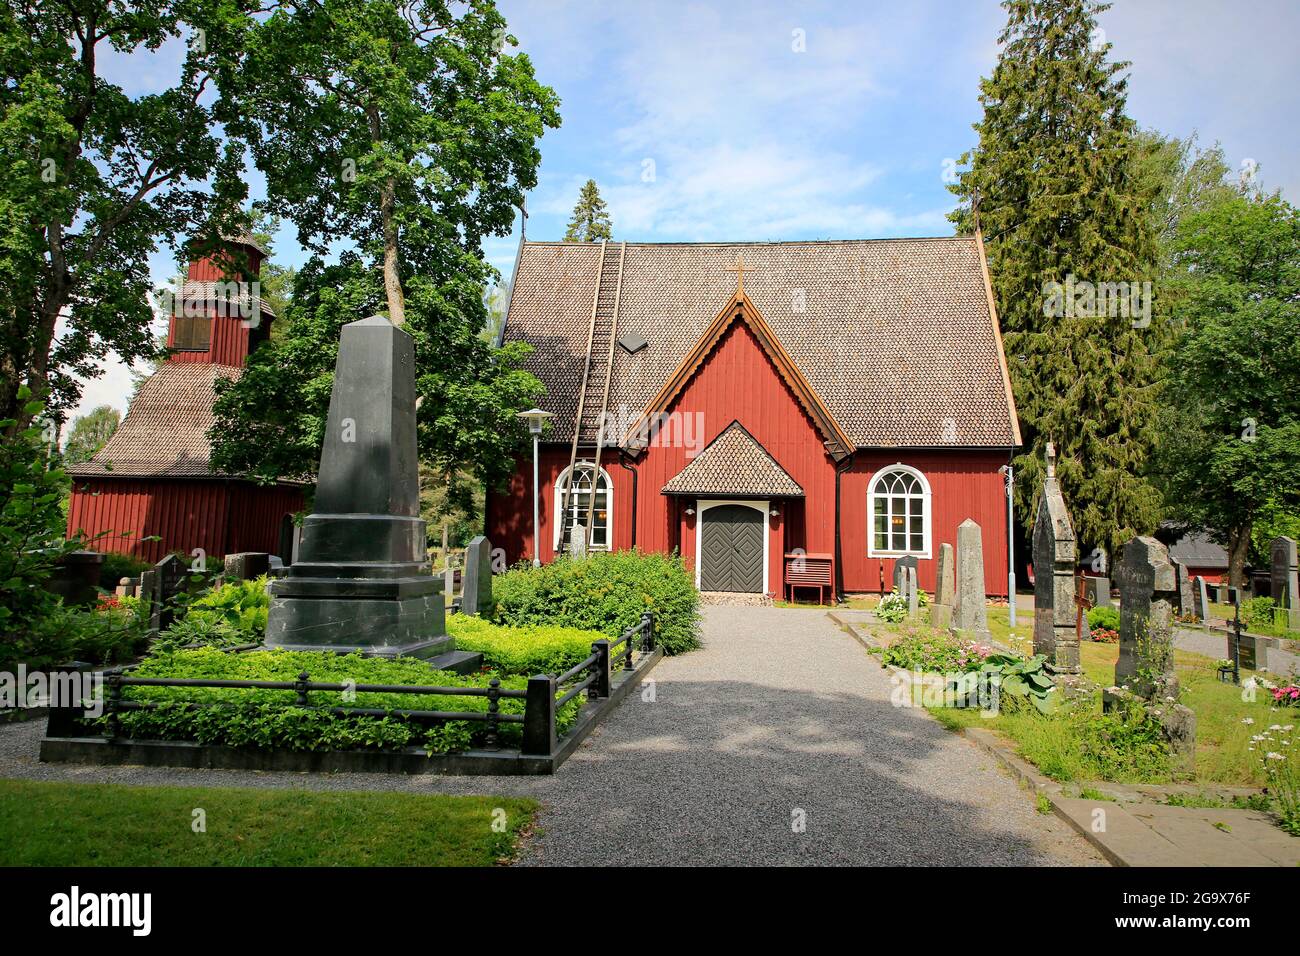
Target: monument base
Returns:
[393, 618]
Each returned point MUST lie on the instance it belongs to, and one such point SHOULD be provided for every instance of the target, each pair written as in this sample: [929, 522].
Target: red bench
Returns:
[810, 571]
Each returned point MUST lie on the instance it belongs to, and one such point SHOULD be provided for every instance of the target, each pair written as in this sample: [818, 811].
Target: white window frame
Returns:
[702, 505]
[609, 507]
[927, 514]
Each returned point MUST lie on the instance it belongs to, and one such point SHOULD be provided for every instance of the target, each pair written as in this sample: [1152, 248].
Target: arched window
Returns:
[898, 513]
[583, 507]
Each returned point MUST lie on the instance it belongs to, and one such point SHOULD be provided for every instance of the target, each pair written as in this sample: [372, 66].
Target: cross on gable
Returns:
[739, 269]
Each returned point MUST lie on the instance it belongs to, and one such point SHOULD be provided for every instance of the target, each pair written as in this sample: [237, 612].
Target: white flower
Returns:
[1248, 720]
[1288, 727]
[1274, 726]
[1274, 755]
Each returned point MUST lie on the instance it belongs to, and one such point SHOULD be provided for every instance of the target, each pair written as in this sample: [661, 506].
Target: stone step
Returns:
[458, 662]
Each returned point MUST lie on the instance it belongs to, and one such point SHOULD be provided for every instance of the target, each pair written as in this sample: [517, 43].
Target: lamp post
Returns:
[1009, 479]
[536, 419]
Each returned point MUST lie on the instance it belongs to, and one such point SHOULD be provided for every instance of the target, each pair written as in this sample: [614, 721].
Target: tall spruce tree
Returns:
[1055, 190]
[590, 222]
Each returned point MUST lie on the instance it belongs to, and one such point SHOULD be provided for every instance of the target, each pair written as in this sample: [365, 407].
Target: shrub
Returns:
[1124, 743]
[606, 593]
[541, 649]
[117, 566]
[241, 605]
[64, 634]
[1258, 612]
[935, 651]
[201, 631]
[1104, 618]
[271, 718]
[893, 606]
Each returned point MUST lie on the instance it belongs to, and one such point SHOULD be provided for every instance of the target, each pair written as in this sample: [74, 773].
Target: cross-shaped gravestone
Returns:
[1148, 597]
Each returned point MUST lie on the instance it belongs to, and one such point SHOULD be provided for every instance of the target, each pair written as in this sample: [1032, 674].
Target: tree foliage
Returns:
[1055, 181]
[413, 137]
[590, 222]
[90, 433]
[96, 178]
[1231, 451]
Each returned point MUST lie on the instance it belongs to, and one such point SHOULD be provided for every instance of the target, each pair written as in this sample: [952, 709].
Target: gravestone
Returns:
[247, 565]
[449, 582]
[1284, 574]
[578, 542]
[913, 598]
[172, 573]
[1055, 556]
[1148, 600]
[1183, 582]
[149, 593]
[362, 581]
[969, 613]
[1097, 591]
[1201, 599]
[1144, 673]
[945, 587]
[476, 591]
[901, 579]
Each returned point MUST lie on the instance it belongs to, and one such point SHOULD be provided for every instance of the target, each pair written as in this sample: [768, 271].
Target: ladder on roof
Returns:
[593, 399]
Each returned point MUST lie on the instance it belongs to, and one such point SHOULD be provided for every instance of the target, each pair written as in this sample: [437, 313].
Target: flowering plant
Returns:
[1288, 696]
[1278, 751]
[1104, 635]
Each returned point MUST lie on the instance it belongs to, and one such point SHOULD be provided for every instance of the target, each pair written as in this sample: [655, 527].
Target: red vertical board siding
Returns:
[220, 517]
[963, 484]
[229, 343]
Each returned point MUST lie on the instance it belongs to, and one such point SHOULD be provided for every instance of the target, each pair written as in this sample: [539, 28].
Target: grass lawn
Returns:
[74, 824]
[1057, 747]
[1226, 612]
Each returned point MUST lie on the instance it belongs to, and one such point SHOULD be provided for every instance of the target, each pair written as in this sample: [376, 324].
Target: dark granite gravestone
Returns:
[1148, 599]
[1097, 591]
[1200, 599]
[970, 615]
[476, 588]
[1284, 573]
[1183, 582]
[1055, 555]
[362, 581]
[75, 578]
[172, 574]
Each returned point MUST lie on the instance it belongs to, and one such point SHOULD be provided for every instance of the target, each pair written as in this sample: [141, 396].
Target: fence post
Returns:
[648, 622]
[114, 678]
[539, 717]
[601, 666]
[629, 647]
[494, 708]
[300, 686]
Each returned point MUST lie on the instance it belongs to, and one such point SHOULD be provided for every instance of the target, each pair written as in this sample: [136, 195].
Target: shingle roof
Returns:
[1197, 550]
[894, 335]
[734, 464]
[165, 430]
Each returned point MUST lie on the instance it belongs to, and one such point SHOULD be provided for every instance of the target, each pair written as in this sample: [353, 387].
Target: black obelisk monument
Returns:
[362, 581]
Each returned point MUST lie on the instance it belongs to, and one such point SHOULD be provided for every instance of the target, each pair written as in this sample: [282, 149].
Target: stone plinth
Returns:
[362, 581]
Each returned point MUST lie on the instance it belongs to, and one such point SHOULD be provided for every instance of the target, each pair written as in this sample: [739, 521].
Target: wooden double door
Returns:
[731, 549]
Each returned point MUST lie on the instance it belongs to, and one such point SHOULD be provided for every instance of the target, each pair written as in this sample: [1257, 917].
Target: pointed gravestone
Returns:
[1055, 555]
[945, 587]
[969, 615]
[1148, 589]
[1283, 573]
[476, 585]
[362, 581]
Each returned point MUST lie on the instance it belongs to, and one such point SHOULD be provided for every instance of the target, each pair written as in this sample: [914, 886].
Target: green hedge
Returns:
[606, 593]
[522, 651]
[270, 718]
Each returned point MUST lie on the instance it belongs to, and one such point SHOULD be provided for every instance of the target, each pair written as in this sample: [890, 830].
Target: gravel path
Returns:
[733, 750]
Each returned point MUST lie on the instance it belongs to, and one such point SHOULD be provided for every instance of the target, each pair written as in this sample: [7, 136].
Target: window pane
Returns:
[882, 541]
[918, 542]
[900, 541]
[917, 524]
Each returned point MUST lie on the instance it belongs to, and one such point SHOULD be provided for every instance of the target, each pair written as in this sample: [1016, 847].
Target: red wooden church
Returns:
[776, 412]
[152, 477]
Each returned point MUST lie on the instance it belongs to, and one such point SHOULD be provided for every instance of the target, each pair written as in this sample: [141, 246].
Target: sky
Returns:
[734, 120]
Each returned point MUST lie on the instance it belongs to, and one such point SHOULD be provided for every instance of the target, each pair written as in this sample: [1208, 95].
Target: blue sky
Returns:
[704, 121]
